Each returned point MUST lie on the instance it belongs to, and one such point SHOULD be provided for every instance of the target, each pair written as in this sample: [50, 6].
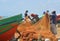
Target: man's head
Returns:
[26, 10]
[44, 12]
[47, 11]
[53, 12]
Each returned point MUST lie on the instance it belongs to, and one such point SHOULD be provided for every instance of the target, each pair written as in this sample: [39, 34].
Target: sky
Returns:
[14, 7]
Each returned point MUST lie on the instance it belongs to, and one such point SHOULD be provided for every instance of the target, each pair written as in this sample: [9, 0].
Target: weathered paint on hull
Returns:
[8, 35]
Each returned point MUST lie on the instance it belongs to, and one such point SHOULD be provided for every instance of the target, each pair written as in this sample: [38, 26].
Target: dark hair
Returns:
[54, 12]
[26, 10]
[47, 10]
[44, 12]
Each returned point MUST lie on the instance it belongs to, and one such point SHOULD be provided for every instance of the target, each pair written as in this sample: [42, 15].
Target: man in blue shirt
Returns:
[53, 16]
[53, 23]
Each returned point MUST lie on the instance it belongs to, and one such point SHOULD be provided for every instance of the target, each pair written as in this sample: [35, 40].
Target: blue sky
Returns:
[14, 7]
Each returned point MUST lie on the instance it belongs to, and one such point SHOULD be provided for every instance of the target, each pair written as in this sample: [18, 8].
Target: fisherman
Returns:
[54, 17]
[27, 17]
[47, 12]
[53, 23]
[26, 13]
